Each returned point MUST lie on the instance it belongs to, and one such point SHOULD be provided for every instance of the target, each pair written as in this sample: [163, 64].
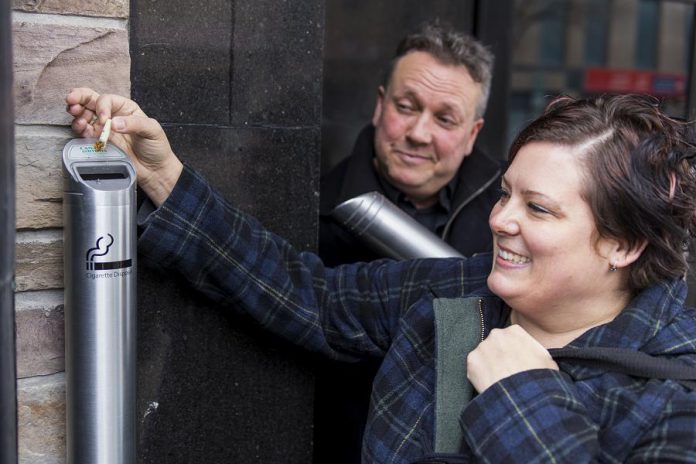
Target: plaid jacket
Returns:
[385, 309]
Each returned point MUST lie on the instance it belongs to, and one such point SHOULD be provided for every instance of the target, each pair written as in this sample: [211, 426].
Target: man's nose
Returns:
[420, 132]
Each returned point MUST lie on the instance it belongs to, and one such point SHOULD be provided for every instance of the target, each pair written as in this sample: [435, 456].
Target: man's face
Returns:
[425, 125]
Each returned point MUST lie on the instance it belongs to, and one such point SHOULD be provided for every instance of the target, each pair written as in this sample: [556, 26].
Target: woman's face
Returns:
[546, 254]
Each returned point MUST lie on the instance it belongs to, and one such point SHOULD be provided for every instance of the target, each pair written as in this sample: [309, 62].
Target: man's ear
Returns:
[473, 133]
[378, 106]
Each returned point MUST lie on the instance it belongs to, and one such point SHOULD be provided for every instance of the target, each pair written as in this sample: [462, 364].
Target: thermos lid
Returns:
[388, 230]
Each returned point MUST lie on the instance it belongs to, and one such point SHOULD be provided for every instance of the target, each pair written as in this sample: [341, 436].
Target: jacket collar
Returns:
[639, 323]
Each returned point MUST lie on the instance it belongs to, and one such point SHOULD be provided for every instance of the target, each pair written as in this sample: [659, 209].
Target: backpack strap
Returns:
[629, 362]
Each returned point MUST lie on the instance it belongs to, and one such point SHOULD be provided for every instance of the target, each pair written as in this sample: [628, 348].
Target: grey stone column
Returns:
[237, 87]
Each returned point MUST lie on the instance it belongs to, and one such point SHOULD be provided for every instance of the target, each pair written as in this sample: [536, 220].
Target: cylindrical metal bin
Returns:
[389, 230]
[99, 204]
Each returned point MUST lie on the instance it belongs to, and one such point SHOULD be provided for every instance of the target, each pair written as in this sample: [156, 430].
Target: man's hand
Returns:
[141, 137]
[506, 352]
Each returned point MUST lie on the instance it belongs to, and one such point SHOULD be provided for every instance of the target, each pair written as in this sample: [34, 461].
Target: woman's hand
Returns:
[506, 352]
[141, 137]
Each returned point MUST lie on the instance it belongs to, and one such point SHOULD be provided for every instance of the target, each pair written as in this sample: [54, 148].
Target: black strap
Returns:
[629, 362]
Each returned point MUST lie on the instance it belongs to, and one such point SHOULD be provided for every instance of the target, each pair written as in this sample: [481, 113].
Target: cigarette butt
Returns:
[100, 144]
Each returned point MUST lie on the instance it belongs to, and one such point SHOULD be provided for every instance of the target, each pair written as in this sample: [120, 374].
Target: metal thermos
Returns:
[388, 230]
[99, 205]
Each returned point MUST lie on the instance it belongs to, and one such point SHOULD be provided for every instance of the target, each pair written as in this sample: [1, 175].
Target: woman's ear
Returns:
[624, 255]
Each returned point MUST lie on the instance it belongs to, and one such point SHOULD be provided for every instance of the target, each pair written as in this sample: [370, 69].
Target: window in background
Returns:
[648, 16]
[552, 37]
[596, 32]
[591, 47]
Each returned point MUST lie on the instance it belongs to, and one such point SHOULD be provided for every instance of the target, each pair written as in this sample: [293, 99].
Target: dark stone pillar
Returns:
[237, 87]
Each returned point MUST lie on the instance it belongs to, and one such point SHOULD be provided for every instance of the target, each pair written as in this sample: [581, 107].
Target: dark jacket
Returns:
[467, 227]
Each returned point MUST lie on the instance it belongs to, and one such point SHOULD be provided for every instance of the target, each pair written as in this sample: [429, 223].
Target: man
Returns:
[419, 153]
[419, 150]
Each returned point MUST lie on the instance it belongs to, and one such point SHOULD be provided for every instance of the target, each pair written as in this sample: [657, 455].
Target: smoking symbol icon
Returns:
[102, 249]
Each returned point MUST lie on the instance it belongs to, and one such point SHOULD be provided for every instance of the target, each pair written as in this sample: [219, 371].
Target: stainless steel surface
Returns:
[100, 303]
[388, 230]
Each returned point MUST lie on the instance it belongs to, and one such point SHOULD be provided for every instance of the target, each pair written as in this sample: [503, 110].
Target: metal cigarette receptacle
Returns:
[99, 211]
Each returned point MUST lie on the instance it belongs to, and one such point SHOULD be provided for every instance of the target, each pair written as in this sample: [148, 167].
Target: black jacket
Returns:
[467, 227]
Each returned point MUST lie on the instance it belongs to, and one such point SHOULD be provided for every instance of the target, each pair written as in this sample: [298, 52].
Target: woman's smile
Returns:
[513, 258]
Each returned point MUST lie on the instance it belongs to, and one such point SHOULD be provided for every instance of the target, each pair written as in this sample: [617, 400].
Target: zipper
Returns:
[483, 325]
[466, 201]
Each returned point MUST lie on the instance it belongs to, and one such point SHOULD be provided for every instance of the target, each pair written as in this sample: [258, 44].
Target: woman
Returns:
[596, 206]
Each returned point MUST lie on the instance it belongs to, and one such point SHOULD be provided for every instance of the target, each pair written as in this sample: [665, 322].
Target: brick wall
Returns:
[57, 45]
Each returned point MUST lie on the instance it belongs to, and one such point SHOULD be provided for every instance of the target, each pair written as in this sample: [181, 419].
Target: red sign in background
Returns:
[599, 80]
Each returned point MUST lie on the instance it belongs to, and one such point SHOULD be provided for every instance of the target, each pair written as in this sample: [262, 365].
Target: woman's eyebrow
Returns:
[534, 193]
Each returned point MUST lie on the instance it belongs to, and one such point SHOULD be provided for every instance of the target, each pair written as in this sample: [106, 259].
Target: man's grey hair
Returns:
[450, 47]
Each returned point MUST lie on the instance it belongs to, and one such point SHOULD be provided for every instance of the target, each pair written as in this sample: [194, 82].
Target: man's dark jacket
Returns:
[467, 228]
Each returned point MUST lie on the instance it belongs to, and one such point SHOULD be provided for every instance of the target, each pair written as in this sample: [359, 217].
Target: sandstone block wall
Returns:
[57, 45]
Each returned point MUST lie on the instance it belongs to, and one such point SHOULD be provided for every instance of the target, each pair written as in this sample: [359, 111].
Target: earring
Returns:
[612, 267]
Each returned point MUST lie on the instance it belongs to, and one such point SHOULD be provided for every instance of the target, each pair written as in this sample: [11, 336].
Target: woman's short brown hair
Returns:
[640, 177]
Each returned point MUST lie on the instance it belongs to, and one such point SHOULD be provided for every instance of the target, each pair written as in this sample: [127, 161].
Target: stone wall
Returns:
[56, 45]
